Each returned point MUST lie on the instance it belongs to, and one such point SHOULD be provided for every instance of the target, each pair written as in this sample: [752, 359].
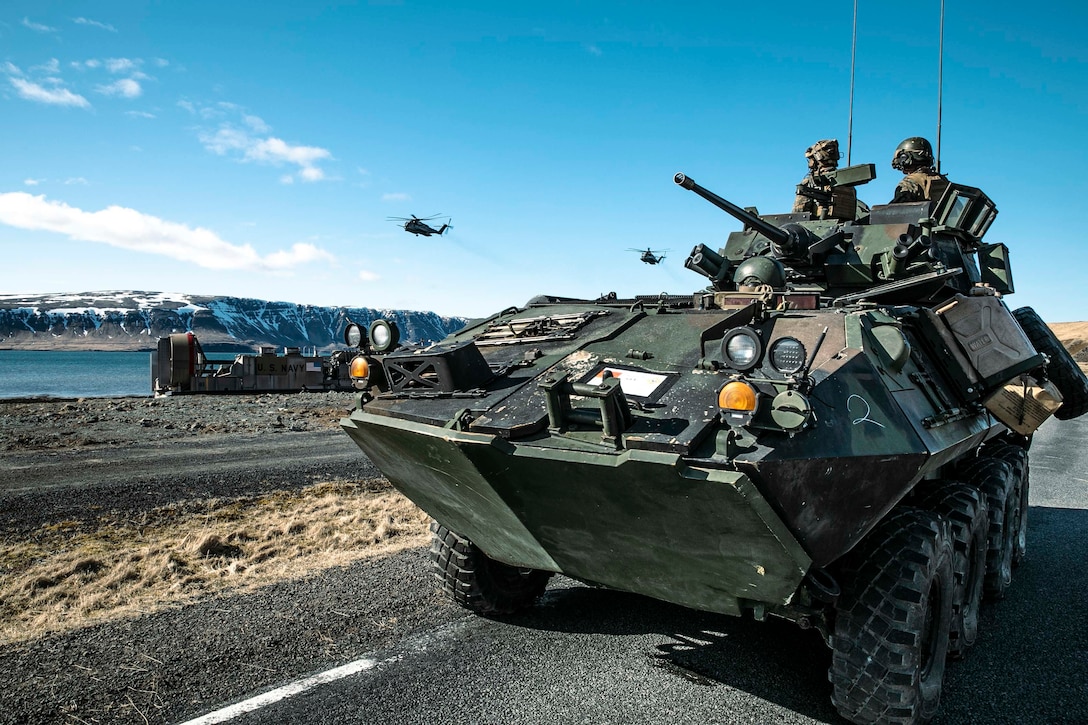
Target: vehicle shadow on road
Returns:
[773, 660]
[1030, 663]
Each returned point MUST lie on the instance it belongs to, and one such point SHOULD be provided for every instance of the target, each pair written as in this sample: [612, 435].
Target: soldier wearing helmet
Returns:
[921, 182]
[823, 157]
[821, 193]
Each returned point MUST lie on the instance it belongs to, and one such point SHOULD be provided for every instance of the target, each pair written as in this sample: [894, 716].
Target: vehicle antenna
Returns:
[940, 81]
[853, 55]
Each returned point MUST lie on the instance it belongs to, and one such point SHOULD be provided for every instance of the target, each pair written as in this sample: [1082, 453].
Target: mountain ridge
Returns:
[134, 320]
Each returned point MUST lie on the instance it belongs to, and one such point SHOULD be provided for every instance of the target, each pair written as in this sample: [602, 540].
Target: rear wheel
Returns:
[890, 637]
[1062, 368]
[965, 509]
[476, 581]
[996, 481]
[1017, 457]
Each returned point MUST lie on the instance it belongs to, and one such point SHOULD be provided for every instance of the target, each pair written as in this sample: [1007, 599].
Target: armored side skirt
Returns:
[639, 521]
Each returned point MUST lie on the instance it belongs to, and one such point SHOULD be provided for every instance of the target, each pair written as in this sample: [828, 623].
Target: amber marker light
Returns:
[360, 368]
[737, 395]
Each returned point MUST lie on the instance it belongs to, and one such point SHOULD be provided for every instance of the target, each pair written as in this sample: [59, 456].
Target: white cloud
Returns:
[121, 65]
[139, 114]
[27, 22]
[271, 150]
[55, 97]
[256, 124]
[161, 62]
[75, 180]
[31, 182]
[50, 66]
[94, 23]
[398, 196]
[124, 87]
[10, 68]
[129, 229]
[287, 179]
[367, 276]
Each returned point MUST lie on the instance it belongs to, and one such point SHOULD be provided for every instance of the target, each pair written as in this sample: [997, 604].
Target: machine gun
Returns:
[828, 182]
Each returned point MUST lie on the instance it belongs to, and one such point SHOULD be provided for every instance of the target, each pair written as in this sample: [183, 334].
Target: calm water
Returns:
[74, 374]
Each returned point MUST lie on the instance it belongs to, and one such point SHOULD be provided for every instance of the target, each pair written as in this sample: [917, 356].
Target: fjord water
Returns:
[67, 374]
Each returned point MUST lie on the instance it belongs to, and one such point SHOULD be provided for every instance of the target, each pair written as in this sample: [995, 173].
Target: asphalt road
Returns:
[595, 656]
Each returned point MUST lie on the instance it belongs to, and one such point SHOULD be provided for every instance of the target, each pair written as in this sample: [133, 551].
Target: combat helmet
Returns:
[823, 154]
[911, 154]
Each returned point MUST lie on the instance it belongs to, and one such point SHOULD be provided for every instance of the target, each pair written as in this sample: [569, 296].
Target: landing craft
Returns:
[419, 226]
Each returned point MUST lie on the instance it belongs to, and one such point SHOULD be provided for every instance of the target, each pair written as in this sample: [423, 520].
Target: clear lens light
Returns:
[381, 336]
[354, 335]
[741, 350]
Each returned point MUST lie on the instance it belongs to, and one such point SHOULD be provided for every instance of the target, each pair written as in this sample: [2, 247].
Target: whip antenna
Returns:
[940, 82]
[853, 55]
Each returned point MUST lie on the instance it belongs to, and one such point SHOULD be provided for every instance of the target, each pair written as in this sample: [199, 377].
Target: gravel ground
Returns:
[65, 459]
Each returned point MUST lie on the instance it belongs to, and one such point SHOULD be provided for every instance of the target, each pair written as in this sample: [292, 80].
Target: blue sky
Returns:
[257, 149]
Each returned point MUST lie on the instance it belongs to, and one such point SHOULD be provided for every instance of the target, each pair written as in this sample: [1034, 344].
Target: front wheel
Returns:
[890, 637]
[476, 581]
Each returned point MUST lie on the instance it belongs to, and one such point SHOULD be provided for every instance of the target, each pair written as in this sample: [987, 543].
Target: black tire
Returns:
[476, 581]
[1017, 457]
[965, 508]
[1062, 369]
[890, 637]
[996, 481]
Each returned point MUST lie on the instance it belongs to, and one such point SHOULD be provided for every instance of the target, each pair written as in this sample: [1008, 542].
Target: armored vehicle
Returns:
[834, 431]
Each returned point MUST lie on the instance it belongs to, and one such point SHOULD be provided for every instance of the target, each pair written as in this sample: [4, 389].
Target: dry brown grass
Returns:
[1074, 337]
[71, 574]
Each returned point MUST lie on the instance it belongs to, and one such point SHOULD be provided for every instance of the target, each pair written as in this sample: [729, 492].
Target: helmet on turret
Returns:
[912, 154]
[823, 155]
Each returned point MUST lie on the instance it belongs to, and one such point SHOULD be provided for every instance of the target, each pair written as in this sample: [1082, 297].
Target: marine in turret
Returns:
[921, 181]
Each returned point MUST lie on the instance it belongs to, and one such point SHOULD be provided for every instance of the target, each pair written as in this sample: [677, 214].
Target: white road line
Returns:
[282, 693]
[421, 642]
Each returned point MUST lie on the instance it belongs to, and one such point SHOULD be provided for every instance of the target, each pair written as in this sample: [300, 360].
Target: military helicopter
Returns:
[418, 226]
[651, 256]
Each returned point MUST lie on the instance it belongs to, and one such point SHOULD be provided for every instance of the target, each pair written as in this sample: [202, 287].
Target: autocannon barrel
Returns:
[775, 234]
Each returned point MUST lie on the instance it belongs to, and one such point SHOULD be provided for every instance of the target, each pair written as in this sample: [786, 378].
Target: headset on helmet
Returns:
[913, 153]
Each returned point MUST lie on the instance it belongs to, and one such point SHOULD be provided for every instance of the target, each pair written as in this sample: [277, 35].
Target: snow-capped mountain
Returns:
[132, 320]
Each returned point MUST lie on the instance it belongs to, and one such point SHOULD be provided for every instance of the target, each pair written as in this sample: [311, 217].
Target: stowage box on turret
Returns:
[834, 431]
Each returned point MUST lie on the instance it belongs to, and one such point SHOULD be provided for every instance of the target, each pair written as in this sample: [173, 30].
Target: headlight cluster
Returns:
[365, 368]
[742, 350]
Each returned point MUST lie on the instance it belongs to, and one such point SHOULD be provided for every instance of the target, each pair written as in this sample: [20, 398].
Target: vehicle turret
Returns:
[904, 253]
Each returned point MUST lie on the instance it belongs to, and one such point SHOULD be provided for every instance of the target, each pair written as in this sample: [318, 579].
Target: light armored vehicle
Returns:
[834, 431]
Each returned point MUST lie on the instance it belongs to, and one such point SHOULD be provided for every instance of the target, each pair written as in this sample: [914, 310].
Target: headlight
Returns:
[787, 355]
[353, 335]
[741, 348]
[384, 335]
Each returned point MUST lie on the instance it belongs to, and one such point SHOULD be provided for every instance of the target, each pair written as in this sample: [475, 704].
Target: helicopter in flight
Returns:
[651, 256]
[419, 226]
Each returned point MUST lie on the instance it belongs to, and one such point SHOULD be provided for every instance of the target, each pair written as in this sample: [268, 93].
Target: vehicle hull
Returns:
[634, 520]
